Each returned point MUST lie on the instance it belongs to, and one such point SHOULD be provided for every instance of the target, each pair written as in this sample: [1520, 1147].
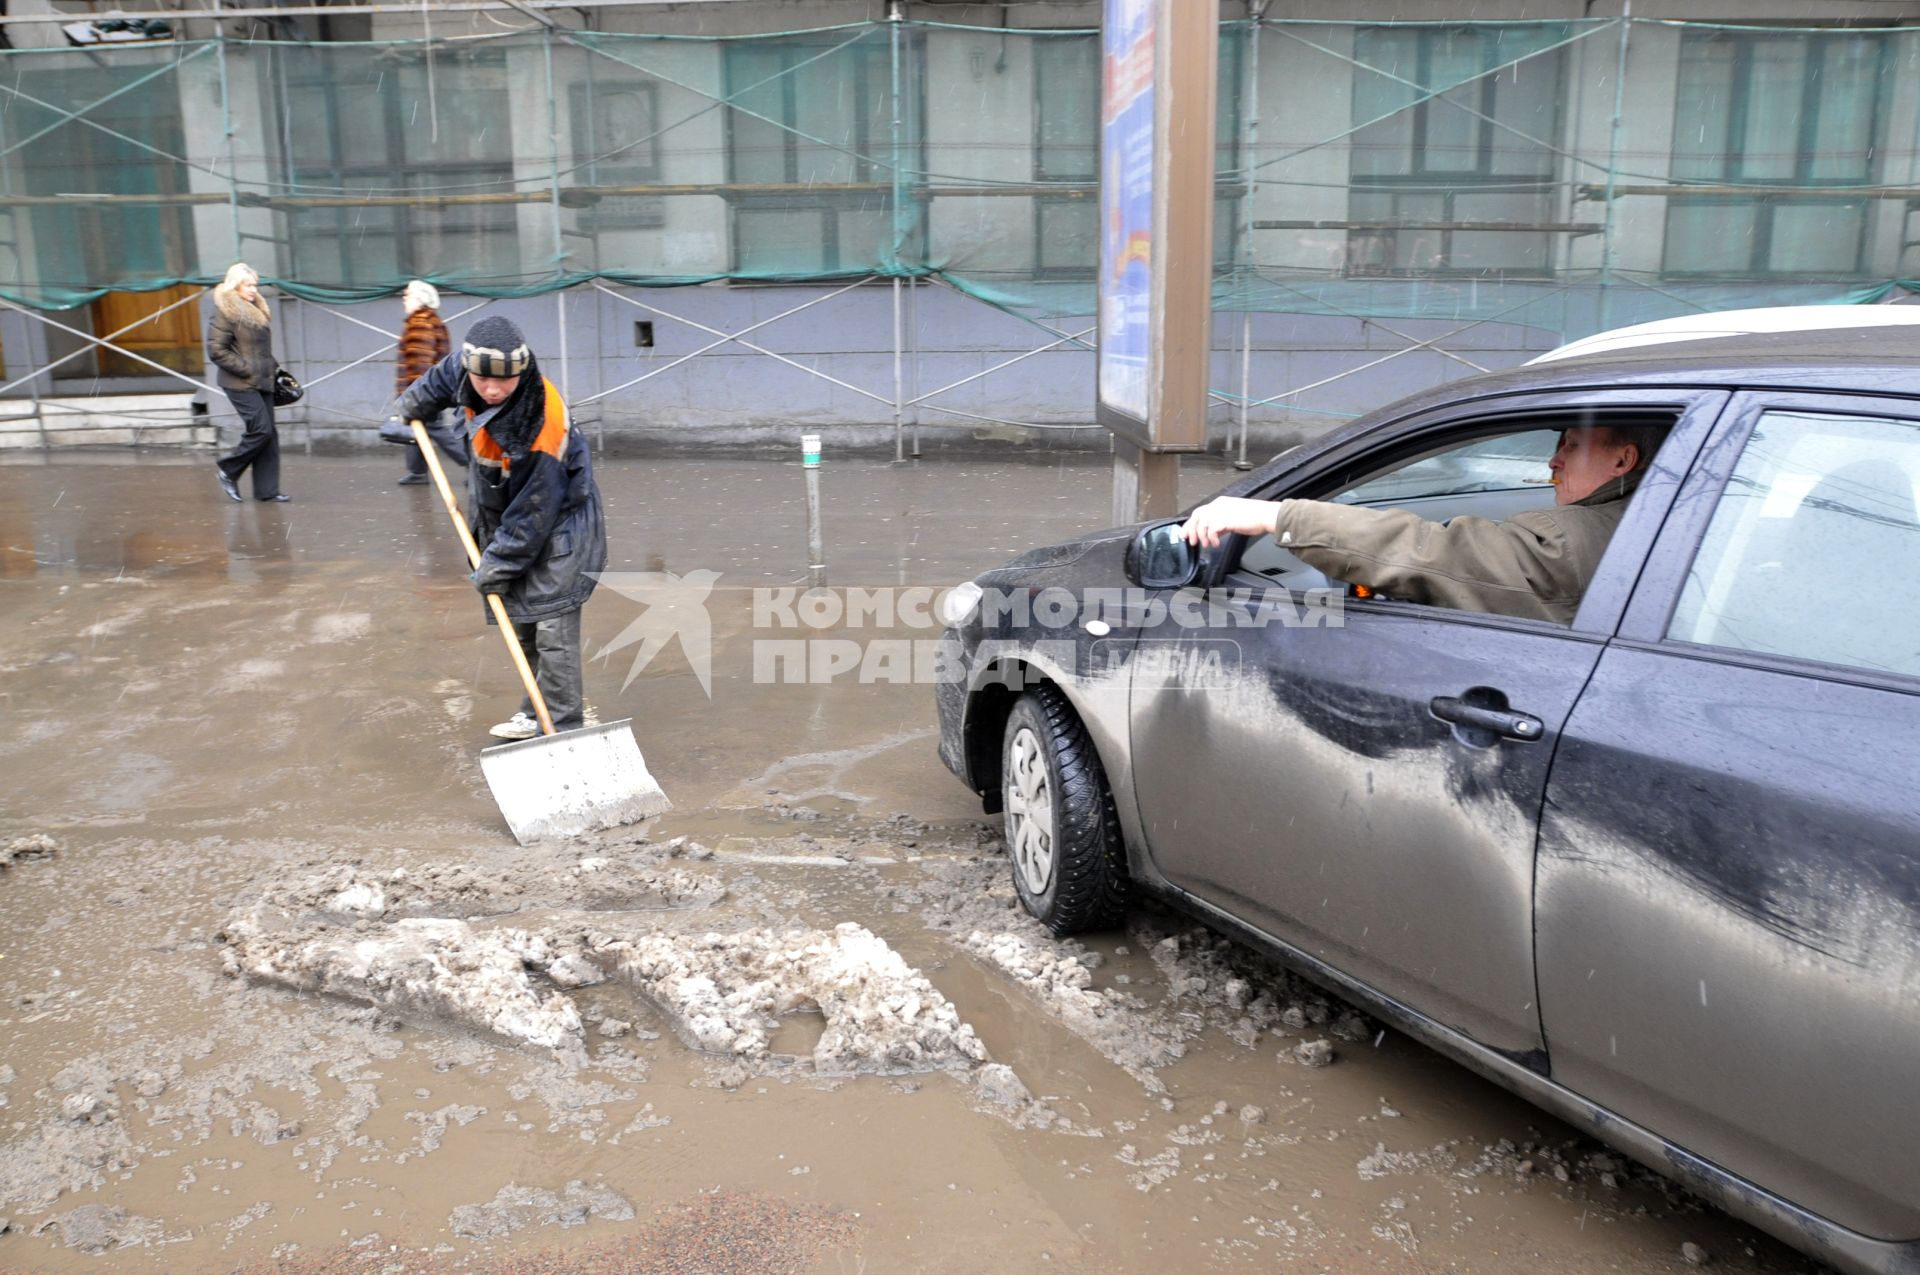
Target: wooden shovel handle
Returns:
[473, 557]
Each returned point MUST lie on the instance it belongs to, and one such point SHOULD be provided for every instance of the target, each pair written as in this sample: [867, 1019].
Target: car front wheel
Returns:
[1063, 835]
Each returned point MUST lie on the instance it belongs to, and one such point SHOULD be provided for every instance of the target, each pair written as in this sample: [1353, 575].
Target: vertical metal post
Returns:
[913, 357]
[560, 307]
[306, 373]
[599, 357]
[559, 239]
[40, 412]
[226, 126]
[1250, 137]
[1246, 384]
[816, 553]
[895, 238]
[899, 438]
[1613, 167]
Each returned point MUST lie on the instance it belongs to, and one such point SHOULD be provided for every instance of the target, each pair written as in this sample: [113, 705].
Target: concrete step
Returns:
[116, 420]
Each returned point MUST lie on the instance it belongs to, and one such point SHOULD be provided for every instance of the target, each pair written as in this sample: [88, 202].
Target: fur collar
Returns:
[229, 303]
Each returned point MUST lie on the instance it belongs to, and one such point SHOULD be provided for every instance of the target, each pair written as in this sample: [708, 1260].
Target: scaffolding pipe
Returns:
[1250, 61]
[1613, 162]
[913, 357]
[346, 10]
[306, 371]
[899, 333]
[559, 240]
[226, 126]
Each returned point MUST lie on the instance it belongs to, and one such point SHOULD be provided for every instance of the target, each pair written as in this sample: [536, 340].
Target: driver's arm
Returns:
[1518, 567]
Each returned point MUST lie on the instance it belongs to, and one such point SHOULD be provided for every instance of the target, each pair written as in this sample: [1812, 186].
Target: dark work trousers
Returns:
[259, 446]
[449, 434]
[553, 649]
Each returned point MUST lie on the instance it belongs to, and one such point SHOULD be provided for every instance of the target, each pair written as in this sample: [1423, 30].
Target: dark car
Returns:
[1657, 870]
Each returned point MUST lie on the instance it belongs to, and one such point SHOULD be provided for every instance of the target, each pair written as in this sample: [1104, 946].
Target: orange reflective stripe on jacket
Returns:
[552, 439]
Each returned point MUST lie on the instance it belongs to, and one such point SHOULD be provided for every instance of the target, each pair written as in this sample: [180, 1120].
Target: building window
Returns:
[1774, 110]
[816, 127]
[369, 127]
[1066, 148]
[616, 134]
[1066, 108]
[1455, 131]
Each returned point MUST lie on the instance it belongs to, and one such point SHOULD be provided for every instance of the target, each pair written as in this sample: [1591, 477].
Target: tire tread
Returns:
[1090, 886]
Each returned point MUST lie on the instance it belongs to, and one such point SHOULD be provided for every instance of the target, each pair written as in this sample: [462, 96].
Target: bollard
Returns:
[816, 555]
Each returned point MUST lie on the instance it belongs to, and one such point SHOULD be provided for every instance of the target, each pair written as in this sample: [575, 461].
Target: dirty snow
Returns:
[725, 994]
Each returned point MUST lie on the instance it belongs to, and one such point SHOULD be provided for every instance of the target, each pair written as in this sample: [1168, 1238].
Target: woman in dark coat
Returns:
[240, 343]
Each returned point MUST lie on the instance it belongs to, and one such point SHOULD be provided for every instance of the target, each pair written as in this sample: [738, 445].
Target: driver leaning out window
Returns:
[1535, 565]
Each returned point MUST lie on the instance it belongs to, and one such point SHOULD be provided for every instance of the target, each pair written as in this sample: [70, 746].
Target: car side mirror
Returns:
[1161, 558]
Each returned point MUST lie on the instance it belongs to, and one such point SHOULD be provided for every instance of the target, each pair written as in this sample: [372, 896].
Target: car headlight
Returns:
[959, 604]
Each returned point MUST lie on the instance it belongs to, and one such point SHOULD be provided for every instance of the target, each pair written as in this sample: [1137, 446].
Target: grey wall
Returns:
[732, 395]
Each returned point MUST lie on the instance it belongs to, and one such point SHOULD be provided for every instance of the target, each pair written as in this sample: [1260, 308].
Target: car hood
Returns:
[1053, 557]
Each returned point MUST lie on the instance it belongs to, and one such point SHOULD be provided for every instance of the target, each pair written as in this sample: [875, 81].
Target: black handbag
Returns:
[287, 389]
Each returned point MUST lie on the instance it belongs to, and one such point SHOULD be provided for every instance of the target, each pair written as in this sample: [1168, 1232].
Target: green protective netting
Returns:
[1562, 175]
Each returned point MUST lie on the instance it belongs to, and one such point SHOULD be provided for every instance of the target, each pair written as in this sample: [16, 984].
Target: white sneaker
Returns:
[519, 726]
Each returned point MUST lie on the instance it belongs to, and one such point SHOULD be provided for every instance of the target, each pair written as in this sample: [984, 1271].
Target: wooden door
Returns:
[172, 339]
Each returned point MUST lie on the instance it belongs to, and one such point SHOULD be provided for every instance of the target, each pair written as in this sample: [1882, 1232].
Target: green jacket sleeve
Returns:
[1524, 566]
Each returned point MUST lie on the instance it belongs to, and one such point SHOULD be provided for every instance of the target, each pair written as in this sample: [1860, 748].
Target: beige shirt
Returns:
[1536, 564]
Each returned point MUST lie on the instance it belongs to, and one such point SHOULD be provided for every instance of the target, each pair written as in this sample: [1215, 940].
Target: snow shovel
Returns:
[560, 784]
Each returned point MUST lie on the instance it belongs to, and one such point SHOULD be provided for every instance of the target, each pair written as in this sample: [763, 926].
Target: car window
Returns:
[1812, 550]
[1506, 463]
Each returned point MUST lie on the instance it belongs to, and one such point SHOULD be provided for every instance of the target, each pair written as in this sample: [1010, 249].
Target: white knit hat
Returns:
[421, 295]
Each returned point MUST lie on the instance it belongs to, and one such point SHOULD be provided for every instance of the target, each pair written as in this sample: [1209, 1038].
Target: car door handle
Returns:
[1503, 722]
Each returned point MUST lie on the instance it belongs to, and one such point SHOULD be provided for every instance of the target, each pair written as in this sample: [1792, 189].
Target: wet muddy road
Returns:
[278, 991]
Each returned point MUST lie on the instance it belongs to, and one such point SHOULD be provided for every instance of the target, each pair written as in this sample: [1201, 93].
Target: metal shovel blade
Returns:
[574, 782]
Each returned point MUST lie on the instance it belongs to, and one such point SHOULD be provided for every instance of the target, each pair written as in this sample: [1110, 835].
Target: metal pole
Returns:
[226, 125]
[559, 240]
[1246, 384]
[899, 387]
[306, 373]
[913, 360]
[896, 239]
[39, 413]
[1613, 165]
[816, 553]
[560, 305]
[599, 355]
[1250, 137]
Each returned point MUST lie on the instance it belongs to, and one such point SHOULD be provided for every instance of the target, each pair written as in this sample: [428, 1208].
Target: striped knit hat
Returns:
[494, 347]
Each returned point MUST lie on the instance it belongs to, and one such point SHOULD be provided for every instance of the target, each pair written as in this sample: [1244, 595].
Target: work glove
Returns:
[486, 582]
[397, 431]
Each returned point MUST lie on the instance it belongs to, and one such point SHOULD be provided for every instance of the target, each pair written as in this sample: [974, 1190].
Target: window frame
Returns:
[1656, 596]
[1424, 180]
[1819, 191]
[332, 226]
[827, 205]
[640, 166]
[1042, 77]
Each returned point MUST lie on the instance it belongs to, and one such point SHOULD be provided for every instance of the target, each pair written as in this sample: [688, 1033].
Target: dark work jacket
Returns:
[535, 513]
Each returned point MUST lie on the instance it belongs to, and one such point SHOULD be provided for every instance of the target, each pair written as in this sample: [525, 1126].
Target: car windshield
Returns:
[1506, 463]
